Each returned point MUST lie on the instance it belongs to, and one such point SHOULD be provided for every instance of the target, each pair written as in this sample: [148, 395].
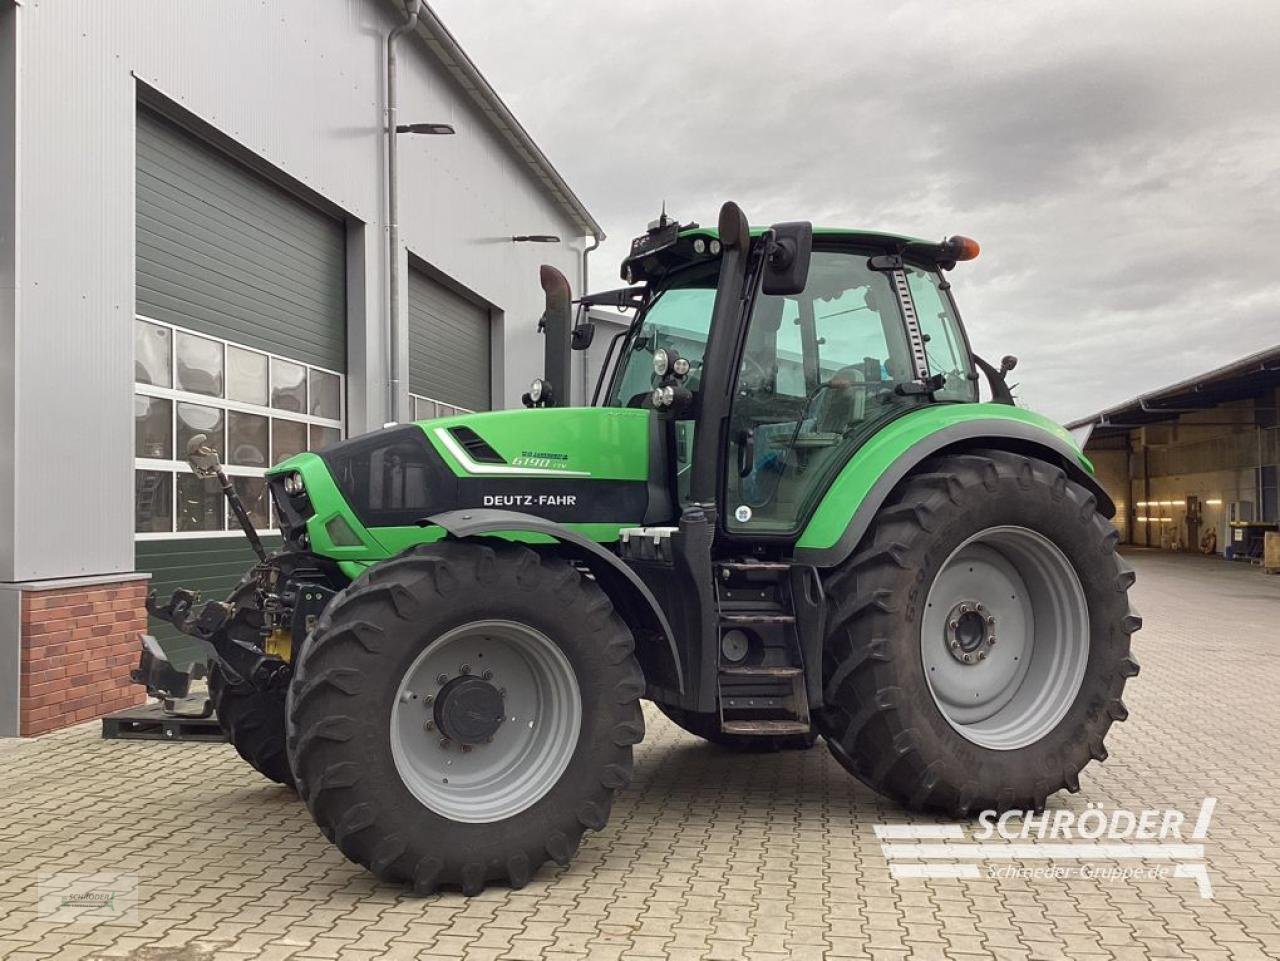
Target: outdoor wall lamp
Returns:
[428, 128]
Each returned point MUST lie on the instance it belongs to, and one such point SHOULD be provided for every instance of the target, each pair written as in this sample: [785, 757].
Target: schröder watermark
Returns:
[88, 899]
[1149, 844]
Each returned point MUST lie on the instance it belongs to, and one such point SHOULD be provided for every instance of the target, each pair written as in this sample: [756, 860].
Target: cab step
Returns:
[752, 566]
[765, 728]
[737, 620]
[762, 671]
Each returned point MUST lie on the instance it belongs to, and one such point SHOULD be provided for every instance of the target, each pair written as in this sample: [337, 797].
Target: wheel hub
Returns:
[969, 632]
[469, 710]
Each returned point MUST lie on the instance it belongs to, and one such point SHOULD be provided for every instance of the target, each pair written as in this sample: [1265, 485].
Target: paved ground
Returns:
[707, 855]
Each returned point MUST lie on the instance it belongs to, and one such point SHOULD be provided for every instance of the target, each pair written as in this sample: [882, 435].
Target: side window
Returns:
[944, 344]
[818, 372]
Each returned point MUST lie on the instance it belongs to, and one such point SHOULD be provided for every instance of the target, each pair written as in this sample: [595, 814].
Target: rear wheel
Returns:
[707, 727]
[463, 713]
[980, 639]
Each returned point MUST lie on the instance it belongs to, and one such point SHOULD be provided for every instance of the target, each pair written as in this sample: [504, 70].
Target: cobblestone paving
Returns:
[708, 855]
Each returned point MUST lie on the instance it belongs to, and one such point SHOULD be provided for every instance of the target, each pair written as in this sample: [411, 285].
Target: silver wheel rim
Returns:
[1005, 637]
[541, 716]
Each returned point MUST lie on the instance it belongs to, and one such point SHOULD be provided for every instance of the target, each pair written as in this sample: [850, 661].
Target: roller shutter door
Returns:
[223, 252]
[449, 345]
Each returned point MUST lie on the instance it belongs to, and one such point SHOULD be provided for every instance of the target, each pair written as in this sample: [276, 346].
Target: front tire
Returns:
[253, 721]
[428, 766]
[980, 638]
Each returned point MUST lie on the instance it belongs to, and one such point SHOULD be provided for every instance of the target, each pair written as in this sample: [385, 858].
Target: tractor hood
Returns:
[585, 468]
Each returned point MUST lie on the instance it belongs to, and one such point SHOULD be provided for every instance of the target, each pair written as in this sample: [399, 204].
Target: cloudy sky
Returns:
[1118, 162]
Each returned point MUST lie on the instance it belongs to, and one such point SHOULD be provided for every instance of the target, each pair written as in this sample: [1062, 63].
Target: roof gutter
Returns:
[468, 76]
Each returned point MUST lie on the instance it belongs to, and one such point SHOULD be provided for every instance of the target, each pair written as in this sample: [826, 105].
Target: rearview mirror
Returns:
[787, 261]
[583, 335]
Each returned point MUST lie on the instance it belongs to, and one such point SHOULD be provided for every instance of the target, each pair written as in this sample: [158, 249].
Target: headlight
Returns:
[293, 484]
[715, 246]
[663, 396]
[535, 389]
[699, 246]
[661, 361]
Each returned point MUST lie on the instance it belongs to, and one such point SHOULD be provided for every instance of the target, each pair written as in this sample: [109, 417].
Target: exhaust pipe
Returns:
[557, 326]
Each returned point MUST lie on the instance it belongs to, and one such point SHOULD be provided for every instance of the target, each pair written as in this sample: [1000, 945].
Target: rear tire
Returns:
[896, 715]
[707, 727]
[375, 774]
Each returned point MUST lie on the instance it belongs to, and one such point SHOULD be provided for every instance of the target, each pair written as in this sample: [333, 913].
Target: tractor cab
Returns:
[860, 331]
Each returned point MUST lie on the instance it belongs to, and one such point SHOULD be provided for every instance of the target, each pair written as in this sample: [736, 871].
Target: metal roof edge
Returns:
[1234, 367]
[446, 48]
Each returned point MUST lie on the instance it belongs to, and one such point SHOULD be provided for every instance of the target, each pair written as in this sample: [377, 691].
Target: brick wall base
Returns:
[78, 646]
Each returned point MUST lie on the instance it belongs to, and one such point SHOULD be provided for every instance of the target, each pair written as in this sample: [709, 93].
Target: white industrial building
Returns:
[194, 238]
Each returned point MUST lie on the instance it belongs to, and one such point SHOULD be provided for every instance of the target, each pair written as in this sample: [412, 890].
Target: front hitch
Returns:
[242, 661]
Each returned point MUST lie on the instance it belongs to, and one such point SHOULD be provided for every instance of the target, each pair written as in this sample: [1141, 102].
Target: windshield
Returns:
[678, 318]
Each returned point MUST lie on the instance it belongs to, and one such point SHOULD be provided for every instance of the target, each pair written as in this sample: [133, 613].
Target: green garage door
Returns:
[449, 346]
[240, 334]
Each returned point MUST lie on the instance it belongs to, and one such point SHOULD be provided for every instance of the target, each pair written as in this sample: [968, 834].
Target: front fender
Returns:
[633, 599]
[879, 466]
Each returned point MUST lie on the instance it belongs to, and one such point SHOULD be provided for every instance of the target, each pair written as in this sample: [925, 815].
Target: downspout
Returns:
[585, 360]
[394, 402]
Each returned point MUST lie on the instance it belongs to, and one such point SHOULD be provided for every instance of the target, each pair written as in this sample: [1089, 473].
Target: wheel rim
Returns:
[1005, 637]
[448, 746]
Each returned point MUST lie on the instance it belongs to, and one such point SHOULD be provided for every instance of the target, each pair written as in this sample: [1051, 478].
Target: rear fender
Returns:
[655, 642]
[868, 483]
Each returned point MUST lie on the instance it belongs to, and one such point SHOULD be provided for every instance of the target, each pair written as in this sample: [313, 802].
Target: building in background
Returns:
[1186, 461]
[193, 240]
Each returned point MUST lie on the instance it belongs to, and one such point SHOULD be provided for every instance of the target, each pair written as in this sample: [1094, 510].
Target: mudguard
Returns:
[880, 465]
[625, 588]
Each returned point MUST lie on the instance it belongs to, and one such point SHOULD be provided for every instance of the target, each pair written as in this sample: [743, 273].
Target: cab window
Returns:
[818, 373]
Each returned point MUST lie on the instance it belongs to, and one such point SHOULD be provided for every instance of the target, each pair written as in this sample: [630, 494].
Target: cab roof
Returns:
[678, 252]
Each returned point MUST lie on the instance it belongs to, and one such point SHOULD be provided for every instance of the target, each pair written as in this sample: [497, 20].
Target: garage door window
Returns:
[427, 408]
[255, 408]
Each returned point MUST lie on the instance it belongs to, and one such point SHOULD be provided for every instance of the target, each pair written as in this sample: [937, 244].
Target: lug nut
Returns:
[429, 725]
[982, 655]
[964, 608]
[978, 608]
[990, 620]
[444, 744]
[428, 699]
[466, 749]
[966, 658]
[954, 624]
[502, 692]
[465, 669]
[442, 679]
[487, 675]
[955, 645]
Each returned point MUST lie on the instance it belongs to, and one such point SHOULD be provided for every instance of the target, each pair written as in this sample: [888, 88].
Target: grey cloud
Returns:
[1116, 161]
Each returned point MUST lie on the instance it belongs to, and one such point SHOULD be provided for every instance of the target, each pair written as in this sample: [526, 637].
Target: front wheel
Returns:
[463, 713]
[981, 638]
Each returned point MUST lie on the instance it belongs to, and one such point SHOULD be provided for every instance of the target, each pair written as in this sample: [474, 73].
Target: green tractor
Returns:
[786, 515]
